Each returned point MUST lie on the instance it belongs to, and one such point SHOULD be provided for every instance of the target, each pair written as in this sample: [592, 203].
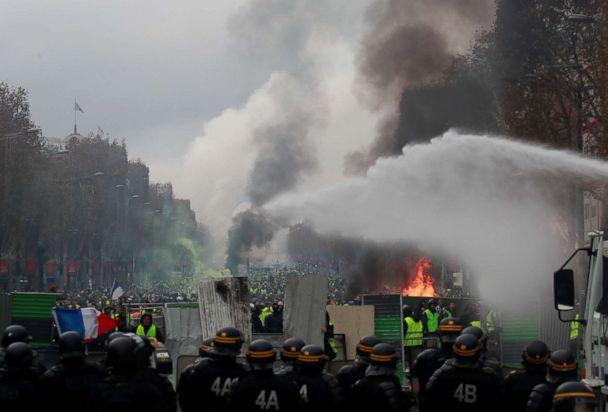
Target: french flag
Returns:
[87, 322]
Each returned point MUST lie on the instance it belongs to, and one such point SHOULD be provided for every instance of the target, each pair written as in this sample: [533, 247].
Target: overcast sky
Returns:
[149, 71]
[189, 84]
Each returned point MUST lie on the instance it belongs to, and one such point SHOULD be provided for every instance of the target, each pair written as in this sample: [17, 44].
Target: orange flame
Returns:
[422, 284]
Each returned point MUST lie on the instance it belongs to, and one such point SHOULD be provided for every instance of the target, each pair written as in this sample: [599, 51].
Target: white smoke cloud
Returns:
[312, 50]
[313, 55]
[486, 201]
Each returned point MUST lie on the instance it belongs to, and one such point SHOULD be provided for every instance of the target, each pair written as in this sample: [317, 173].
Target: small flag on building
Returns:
[117, 290]
[77, 107]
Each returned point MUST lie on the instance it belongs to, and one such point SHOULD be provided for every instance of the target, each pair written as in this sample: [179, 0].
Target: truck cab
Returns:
[593, 318]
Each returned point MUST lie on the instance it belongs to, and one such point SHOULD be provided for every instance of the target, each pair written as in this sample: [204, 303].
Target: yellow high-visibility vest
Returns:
[574, 327]
[413, 335]
[265, 312]
[151, 332]
[432, 320]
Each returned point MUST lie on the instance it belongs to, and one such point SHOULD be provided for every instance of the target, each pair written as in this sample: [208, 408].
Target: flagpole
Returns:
[75, 129]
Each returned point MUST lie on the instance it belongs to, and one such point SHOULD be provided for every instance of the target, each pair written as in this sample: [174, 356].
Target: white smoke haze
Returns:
[313, 53]
[305, 110]
[487, 201]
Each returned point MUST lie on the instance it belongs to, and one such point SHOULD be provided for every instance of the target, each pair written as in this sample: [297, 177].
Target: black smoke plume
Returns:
[284, 156]
[367, 266]
[249, 229]
[416, 78]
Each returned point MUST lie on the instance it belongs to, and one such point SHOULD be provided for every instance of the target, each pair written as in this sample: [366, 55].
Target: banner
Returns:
[51, 268]
[73, 267]
[4, 267]
[31, 265]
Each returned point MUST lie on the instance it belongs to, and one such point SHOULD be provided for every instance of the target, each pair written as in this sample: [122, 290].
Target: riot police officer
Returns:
[574, 397]
[289, 355]
[12, 334]
[145, 373]
[205, 348]
[262, 390]
[19, 379]
[462, 383]
[380, 389]
[432, 359]
[68, 385]
[519, 384]
[319, 390]
[122, 390]
[350, 374]
[561, 368]
[205, 386]
[484, 358]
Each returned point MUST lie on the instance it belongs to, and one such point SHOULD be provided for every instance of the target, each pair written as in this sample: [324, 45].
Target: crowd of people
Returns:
[267, 284]
[163, 291]
[456, 376]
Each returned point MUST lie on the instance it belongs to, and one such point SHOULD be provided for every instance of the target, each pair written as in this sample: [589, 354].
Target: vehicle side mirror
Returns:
[563, 288]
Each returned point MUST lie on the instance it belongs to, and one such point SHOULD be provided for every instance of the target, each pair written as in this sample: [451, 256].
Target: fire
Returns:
[422, 284]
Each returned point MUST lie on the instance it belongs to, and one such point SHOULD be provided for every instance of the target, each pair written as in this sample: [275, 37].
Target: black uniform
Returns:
[318, 390]
[541, 398]
[69, 385]
[161, 382]
[494, 365]
[519, 385]
[377, 393]
[459, 386]
[262, 390]
[206, 385]
[349, 375]
[561, 367]
[19, 390]
[424, 367]
[121, 391]
[274, 321]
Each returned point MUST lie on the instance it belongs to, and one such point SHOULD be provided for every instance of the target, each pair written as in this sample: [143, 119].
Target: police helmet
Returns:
[19, 355]
[449, 329]
[475, 331]
[383, 354]
[205, 347]
[227, 342]
[467, 348]
[71, 346]
[121, 352]
[569, 395]
[562, 366]
[143, 348]
[291, 349]
[312, 357]
[112, 336]
[536, 354]
[406, 310]
[260, 354]
[15, 333]
[432, 302]
[365, 346]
